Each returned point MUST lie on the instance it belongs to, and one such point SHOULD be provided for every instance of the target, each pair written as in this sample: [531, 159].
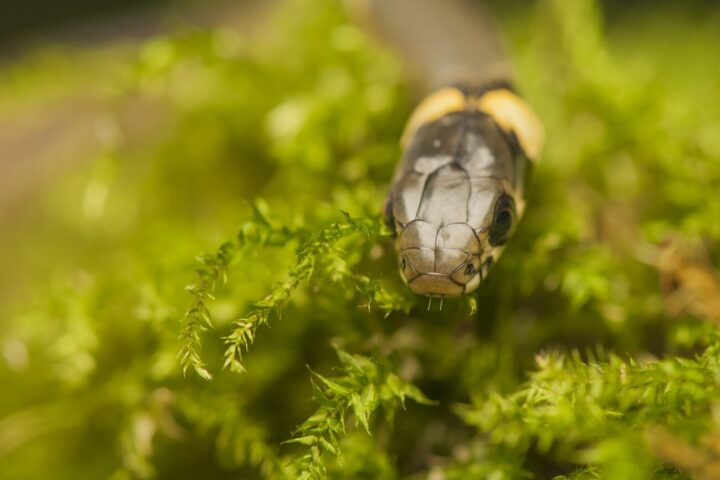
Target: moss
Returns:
[274, 155]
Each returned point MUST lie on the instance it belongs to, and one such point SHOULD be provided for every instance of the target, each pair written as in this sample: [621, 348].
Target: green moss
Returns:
[127, 353]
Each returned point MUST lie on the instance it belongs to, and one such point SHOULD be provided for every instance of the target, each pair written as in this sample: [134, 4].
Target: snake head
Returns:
[457, 192]
[451, 259]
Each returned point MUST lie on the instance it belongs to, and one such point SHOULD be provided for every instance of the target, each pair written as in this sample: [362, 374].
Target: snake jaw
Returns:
[435, 285]
[473, 284]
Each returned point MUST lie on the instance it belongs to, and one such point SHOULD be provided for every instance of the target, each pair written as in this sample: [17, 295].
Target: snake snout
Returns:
[440, 261]
[435, 284]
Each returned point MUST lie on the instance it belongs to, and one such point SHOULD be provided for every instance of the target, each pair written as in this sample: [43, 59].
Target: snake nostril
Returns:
[403, 263]
[469, 269]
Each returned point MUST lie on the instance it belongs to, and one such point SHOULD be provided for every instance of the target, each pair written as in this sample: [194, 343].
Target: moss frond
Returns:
[363, 387]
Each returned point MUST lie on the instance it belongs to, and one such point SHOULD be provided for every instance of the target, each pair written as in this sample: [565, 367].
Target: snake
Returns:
[458, 191]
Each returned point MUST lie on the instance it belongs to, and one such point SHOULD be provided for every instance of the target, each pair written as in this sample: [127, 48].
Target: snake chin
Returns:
[437, 280]
[440, 261]
[439, 285]
[435, 285]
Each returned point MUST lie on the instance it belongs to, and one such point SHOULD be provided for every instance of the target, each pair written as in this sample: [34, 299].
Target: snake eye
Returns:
[503, 221]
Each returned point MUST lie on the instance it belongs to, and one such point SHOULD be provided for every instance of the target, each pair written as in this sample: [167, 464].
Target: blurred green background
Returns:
[129, 148]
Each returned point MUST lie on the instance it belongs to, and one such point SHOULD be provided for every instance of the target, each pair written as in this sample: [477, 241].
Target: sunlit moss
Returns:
[273, 155]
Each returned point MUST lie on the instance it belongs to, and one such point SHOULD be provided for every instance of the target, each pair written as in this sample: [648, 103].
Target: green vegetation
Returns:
[292, 349]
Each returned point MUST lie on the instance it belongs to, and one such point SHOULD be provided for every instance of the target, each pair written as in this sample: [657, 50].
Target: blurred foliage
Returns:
[274, 154]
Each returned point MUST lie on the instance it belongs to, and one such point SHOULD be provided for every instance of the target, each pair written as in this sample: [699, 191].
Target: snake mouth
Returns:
[436, 285]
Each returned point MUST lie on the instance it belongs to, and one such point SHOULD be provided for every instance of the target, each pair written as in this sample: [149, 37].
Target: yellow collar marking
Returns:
[508, 110]
[513, 114]
[434, 106]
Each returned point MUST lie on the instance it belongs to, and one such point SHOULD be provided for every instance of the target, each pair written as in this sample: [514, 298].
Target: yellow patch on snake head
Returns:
[513, 114]
[435, 106]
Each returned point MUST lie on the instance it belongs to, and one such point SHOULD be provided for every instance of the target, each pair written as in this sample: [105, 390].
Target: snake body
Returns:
[458, 191]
